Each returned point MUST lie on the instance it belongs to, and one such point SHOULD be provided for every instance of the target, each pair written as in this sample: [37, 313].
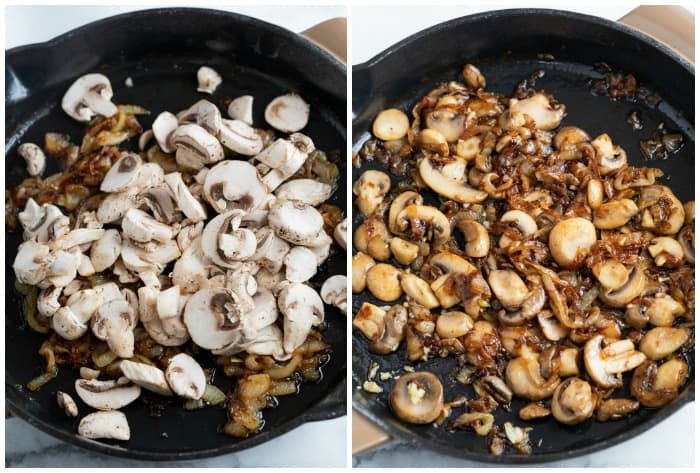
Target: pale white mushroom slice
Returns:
[271, 249]
[334, 292]
[106, 395]
[241, 108]
[47, 301]
[34, 157]
[114, 206]
[190, 272]
[167, 303]
[176, 334]
[287, 113]
[269, 342]
[144, 139]
[105, 425]
[186, 202]
[448, 187]
[77, 237]
[67, 325]
[64, 268]
[208, 315]
[195, 146]
[122, 174]
[225, 243]
[141, 227]
[147, 376]
[36, 220]
[277, 154]
[309, 191]
[295, 221]
[114, 322]
[85, 267]
[300, 264]
[185, 376]
[67, 403]
[203, 113]
[88, 96]
[303, 309]
[234, 185]
[89, 373]
[32, 262]
[340, 233]
[240, 137]
[208, 80]
[163, 127]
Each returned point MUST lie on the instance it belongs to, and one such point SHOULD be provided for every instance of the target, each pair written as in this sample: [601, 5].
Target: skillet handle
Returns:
[669, 24]
[331, 35]
[366, 435]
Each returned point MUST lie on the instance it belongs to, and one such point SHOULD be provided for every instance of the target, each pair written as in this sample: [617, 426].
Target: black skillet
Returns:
[161, 51]
[505, 46]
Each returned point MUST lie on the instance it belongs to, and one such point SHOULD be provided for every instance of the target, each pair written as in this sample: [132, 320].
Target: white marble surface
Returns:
[314, 444]
[671, 443]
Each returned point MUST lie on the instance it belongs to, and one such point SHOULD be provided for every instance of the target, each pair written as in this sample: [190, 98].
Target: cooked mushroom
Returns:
[446, 186]
[391, 330]
[361, 263]
[570, 241]
[614, 409]
[370, 321]
[417, 397]
[404, 251]
[390, 124]
[604, 364]
[453, 324]
[287, 113]
[666, 251]
[432, 141]
[610, 157]
[620, 285]
[34, 157]
[106, 395]
[573, 401]
[662, 212]
[384, 282]
[613, 214]
[104, 425]
[424, 221]
[533, 411]
[476, 237]
[507, 286]
[417, 289]
[146, 376]
[372, 237]
[208, 80]
[241, 108]
[655, 386]
[370, 189]
[539, 107]
[660, 342]
[185, 376]
[480, 422]
[525, 380]
[88, 96]
[662, 311]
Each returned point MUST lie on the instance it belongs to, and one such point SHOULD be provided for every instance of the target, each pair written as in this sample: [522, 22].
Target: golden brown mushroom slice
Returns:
[448, 187]
[417, 397]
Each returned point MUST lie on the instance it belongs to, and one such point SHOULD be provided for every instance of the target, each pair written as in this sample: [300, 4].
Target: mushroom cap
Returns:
[240, 137]
[163, 127]
[146, 376]
[122, 174]
[287, 113]
[104, 425]
[300, 264]
[334, 291]
[141, 227]
[114, 322]
[185, 376]
[302, 308]
[570, 240]
[34, 157]
[195, 146]
[105, 251]
[106, 395]
[67, 403]
[309, 191]
[370, 188]
[225, 243]
[620, 296]
[508, 287]
[234, 185]
[295, 221]
[32, 262]
[208, 315]
[89, 95]
[525, 380]
[67, 325]
[340, 233]
[604, 364]
[208, 80]
[391, 124]
[417, 397]
[573, 401]
[241, 108]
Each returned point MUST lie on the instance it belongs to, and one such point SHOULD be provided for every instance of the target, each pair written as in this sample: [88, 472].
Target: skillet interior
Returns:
[504, 45]
[161, 51]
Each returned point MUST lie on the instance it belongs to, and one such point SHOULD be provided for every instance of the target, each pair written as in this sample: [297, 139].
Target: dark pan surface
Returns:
[161, 51]
[504, 45]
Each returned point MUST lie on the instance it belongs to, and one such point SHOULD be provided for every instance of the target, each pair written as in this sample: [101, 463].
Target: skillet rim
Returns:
[405, 434]
[334, 402]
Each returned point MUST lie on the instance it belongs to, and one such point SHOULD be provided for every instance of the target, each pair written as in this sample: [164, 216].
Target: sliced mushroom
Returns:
[660, 342]
[141, 227]
[208, 80]
[417, 397]
[32, 263]
[610, 157]
[573, 401]
[473, 77]
[508, 287]
[569, 136]
[477, 242]
[114, 322]
[453, 324]
[240, 137]
[88, 96]
[525, 380]
[146, 376]
[570, 241]
[163, 127]
[662, 311]
[620, 285]
[106, 395]
[241, 108]
[309, 191]
[185, 376]
[361, 263]
[404, 251]
[391, 124]
[186, 202]
[614, 409]
[287, 113]
[295, 221]
[234, 185]
[666, 251]
[604, 364]
[195, 146]
[334, 291]
[47, 302]
[424, 221]
[662, 212]
[67, 403]
[302, 308]
[114, 206]
[105, 425]
[540, 109]
[34, 157]
[123, 174]
[176, 333]
[384, 282]
[417, 289]
[340, 233]
[614, 214]
[448, 187]
[391, 329]
[370, 188]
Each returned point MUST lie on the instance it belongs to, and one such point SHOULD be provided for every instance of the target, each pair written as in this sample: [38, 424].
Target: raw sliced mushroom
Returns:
[233, 185]
[195, 146]
[67, 403]
[240, 137]
[105, 425]
[34, 157]
[163, 127]
[88, 96]
[106, 395]
[295, 221]
[302, 308]
[241, 108]
[334, 291]
[287, 113]
[123, 174]
[186, 202]
[207, 79]
[146, 376]
[309, 191]
[340, 233]
[185, 376]
[300, 264]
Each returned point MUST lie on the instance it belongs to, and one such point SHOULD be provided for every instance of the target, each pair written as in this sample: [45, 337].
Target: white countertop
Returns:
[669, 444]
[313, 444]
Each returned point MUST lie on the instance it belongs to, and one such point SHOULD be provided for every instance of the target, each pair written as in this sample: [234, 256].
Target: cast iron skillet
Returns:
[161, 51]
[505, 45]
